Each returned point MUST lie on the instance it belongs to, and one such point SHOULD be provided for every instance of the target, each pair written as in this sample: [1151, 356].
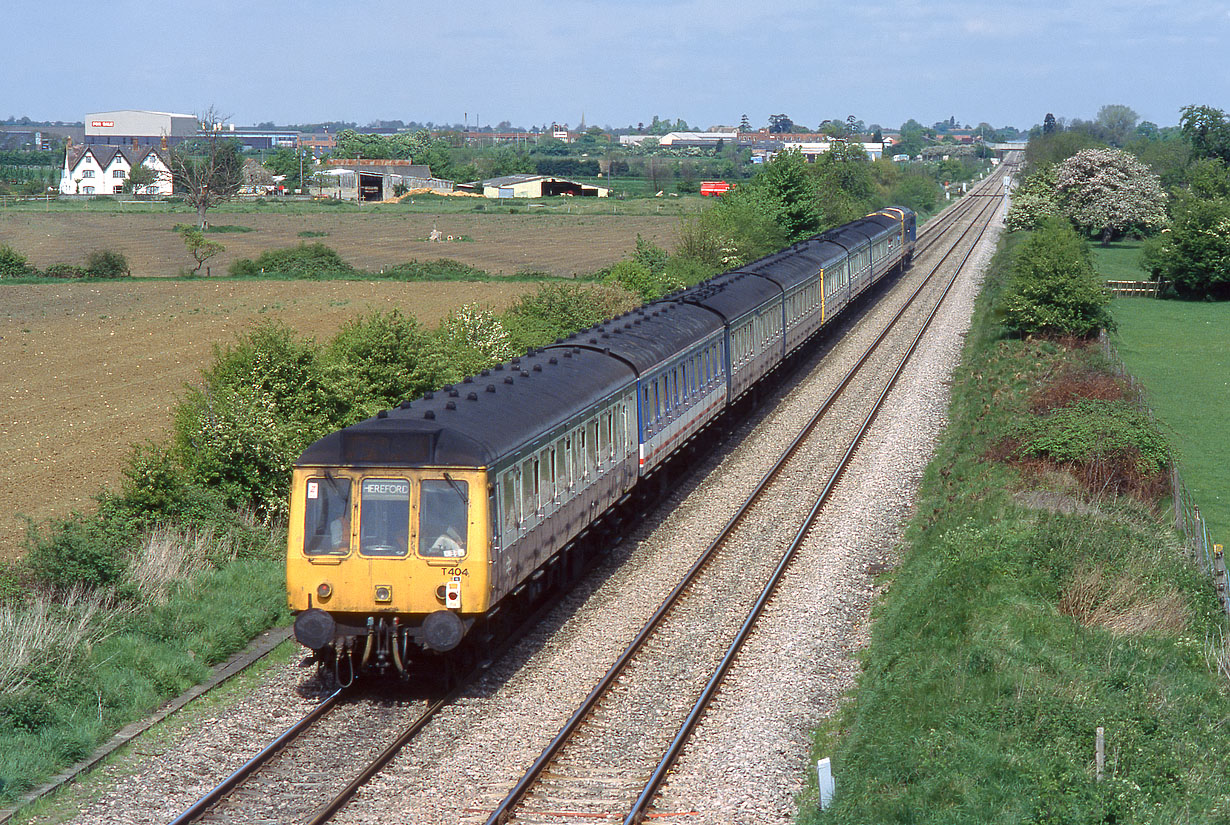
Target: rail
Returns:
[1134, 289]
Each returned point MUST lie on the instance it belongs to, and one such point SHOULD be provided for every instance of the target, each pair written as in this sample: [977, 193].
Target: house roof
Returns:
[104, 155]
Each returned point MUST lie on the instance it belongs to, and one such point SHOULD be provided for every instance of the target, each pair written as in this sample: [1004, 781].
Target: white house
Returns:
[103, 170]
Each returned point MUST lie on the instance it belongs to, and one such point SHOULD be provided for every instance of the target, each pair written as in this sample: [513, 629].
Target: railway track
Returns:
[322, 790]
[658, 688]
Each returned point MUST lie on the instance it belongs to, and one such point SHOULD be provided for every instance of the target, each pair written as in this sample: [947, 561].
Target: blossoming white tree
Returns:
[1108, 191]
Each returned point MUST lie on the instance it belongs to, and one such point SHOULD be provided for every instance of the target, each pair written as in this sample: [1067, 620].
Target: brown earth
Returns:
[87, 370]
[501, 244]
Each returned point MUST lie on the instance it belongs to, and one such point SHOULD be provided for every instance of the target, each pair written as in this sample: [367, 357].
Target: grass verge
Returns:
[1029, 609]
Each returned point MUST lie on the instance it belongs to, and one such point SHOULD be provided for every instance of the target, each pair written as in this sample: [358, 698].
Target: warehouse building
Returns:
[124, 126]
[538, 186]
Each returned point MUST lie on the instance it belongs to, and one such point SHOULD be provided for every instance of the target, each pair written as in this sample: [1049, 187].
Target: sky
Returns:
[616, 62]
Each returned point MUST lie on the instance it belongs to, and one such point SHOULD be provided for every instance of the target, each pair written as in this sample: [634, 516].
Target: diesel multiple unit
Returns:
[408, 528]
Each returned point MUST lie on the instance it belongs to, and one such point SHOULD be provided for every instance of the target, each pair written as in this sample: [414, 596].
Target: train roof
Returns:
[649, 335]
[731, 295]
[476, 422]
[798, 262]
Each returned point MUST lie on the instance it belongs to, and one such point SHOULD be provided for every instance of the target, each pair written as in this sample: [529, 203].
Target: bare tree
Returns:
[209, 170]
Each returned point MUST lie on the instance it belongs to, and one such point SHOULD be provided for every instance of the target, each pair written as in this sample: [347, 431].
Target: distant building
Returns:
[376, 179]
[539, 186]
[123, 126]
[103, 170]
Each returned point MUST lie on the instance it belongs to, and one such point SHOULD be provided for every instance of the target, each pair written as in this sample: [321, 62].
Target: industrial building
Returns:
[123, 126]
[538, 186]
[375, 179]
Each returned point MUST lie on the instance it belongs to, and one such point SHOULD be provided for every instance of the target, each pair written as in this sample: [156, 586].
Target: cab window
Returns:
[443, 506]
[326, 523]
[384, 517]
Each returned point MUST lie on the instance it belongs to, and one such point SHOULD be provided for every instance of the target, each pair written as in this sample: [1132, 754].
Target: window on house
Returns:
[119, 173]
[89, 190]
[87, 173]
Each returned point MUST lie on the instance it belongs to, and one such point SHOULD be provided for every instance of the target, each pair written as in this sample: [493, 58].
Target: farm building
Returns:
[102, 170]
[538, 186]
[375, 179]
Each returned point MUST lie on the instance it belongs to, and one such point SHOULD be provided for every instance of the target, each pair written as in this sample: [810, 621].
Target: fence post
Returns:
[1219, 576]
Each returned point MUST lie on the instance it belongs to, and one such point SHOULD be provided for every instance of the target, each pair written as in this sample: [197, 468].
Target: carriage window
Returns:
[443, 510]
[326, 524]
[578, 454]
[546, 475]
[591, 444]
[509, 500]
[562, 482]
[384, 517]
[608, 440]
[529, 502]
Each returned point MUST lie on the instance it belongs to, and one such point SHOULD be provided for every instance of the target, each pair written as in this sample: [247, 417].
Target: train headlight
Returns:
[384, 593]
[324, 590]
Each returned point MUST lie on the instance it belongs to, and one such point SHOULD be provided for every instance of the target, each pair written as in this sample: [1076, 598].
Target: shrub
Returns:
[303, 261]
[1194, 253]
[80, 550]
[258, 406]
[105, 263]
[67, 271]
[558, 310]
[1054, 289]
[638, 278]
[375, 361]
[441, 269]
[13, 263]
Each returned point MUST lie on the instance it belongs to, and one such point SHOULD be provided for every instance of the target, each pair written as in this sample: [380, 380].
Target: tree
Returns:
[200, 248]
[1034, 201]
[1193, 255]
[141, 179]
[1116, 123]
[1049, 126]
[745, 125]
[1054, 289]
[780, 125]
[1108, 191]
[208, 171]
[1207, 130]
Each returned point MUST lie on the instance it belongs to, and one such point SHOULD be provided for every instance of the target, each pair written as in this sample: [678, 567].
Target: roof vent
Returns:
[453, 393]
[485, 373]
[429, 395]
[382, 414]
[553, 360]
[491, 388]
[405, 405]
[593, 340]
[568, 353]
[525, 374]
[472, 396]
[499, 367]
[516, 360]
[451, 405]
[538, 368]
[469, 379]
[607, 351]
[430, 415]
[577, 350]
[508, 379]
[447, 387]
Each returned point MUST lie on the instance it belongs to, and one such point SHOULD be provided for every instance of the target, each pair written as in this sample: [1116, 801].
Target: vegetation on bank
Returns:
[1041, 594]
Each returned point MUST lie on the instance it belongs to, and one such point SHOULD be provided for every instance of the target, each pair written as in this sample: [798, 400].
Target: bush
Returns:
[80, 550]
[1194, 254]
[261, 403]
[13, 263]
[104, 263]
[303, 261]
[441, 269]
[376, 361]
[638, 278]
[1054, 289]
[67, 271]
[558, 310]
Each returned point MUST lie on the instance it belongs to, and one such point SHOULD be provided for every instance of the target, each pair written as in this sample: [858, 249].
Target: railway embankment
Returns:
[1046, 648]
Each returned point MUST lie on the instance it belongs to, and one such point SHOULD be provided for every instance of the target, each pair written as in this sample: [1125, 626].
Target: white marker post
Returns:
[824, 779]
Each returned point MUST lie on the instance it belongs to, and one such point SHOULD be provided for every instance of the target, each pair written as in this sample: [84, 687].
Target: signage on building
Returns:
[106, 124]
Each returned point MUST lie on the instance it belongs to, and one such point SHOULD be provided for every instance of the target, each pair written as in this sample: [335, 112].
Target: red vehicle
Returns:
[714, 188]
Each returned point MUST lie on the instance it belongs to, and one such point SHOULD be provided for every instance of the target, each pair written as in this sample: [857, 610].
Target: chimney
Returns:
[163, 143]
[134, 145]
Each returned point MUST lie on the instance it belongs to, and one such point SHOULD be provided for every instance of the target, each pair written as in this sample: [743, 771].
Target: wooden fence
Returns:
[1134, 289]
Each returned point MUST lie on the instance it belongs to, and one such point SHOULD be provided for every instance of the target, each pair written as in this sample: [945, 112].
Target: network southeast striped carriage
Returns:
[413, 527]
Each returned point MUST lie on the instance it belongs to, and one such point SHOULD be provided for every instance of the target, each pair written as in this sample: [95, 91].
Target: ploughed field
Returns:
[498, 243]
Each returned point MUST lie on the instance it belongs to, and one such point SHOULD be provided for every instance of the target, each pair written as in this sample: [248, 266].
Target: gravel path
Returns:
[747, 761]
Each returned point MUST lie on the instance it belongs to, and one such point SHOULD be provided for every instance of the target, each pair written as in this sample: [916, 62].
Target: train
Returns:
[409, 530]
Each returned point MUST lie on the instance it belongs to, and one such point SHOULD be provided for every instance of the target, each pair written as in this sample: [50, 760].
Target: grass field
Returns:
[1120, 261]
[1181, 352]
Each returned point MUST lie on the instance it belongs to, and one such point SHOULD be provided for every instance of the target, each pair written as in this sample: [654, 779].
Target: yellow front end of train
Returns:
[399, 555]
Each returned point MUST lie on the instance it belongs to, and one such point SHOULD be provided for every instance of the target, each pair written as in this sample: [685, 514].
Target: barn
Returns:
[539, 186]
